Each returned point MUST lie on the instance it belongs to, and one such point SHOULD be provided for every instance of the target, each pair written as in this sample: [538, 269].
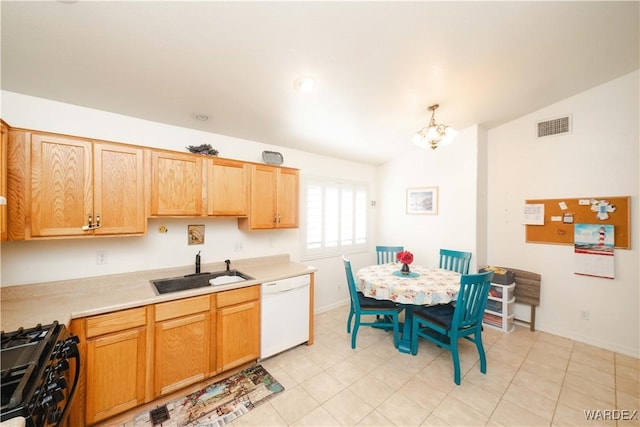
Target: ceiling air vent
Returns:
[559, 126]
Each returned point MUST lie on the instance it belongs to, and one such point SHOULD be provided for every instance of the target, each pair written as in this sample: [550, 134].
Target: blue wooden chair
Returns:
[455, 260]
[385, 254]
[364, 306]
[445, 324]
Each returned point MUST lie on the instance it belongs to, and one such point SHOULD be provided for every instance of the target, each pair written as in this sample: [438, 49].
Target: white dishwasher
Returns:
[284, 315]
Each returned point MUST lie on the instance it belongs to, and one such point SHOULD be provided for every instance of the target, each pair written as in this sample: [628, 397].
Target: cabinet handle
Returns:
[91, 226]
[278, 218]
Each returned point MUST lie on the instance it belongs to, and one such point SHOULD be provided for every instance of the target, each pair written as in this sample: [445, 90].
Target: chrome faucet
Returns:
[198, 263]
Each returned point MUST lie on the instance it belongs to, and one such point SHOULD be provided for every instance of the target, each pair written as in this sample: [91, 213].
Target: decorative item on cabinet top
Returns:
[272, 157]
[205, 149]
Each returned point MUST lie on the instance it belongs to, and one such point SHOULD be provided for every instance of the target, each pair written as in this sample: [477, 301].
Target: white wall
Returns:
[454, 170]
[599, 158]
[27, 262]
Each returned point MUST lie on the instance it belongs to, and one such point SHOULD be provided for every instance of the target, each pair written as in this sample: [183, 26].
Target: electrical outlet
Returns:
[238, 247]
[101, 257]
[584, 314]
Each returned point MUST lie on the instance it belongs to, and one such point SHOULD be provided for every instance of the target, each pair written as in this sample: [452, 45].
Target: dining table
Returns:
[421, 286]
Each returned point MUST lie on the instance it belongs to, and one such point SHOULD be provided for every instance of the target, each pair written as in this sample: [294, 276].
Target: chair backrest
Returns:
[387, 254]
[472, 299]
[353, 292]
[455, 260]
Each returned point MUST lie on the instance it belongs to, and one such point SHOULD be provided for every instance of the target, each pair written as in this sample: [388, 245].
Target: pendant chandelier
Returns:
[434, 134]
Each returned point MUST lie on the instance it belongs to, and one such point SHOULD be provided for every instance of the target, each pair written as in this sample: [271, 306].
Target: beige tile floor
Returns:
[533, 379]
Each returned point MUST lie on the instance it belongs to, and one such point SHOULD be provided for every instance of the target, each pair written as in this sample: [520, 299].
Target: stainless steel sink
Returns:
[194, 281]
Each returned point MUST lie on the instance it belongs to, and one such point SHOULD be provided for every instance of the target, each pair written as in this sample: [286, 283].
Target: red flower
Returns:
[405, 257]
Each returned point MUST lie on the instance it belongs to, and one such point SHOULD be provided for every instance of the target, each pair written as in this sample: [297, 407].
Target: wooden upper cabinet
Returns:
[176, 184]
[288, 198]
[80, 187]
[274, 198]
[228, 188]
[119, 197]
[263, 197]
[61, 185]
[3, 180]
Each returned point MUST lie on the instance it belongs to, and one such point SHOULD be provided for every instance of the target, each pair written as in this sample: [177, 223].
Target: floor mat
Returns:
[215, 405]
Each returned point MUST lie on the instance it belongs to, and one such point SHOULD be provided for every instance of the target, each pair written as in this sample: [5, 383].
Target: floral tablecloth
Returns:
[433, 286]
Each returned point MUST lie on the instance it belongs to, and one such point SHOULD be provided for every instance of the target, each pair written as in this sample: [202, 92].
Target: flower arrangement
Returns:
[405, 257]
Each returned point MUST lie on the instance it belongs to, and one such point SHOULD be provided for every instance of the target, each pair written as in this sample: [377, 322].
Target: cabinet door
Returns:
[263, 197]
[61, 184]
[238, 334]
[288, 194]
[228, 188]
[119, 189]
[115, 373]
[176, 184]
[182, 352]
[3, 181]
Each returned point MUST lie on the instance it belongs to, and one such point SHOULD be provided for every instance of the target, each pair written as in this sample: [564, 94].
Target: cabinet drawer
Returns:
[502, 292]
[503, 323]
[118, 321]
[182, 307]
[499, 307]
[238, 295]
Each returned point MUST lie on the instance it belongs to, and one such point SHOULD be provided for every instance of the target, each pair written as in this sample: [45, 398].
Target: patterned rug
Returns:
[215, 405]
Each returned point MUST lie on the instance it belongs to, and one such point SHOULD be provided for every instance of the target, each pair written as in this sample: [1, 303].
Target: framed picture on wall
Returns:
[422, 201]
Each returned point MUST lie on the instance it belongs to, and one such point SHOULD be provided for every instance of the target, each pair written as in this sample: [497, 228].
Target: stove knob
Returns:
[63, 365]
[69, 348]
[50, 399]
[60, 383]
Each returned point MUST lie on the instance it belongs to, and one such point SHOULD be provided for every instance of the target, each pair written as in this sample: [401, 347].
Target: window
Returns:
[335, 217]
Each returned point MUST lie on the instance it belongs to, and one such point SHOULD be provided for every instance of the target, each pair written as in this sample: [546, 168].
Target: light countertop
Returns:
[14, 422]
[28, 305]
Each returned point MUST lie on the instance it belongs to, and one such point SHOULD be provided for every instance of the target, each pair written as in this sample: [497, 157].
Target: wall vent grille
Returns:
[561, 125]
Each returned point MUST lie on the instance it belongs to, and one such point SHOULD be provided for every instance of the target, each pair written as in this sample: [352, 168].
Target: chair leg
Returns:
[483, 358]
[456, 360]
[355, 333]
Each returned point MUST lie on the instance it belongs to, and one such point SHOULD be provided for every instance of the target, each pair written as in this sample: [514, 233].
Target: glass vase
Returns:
[405, 269]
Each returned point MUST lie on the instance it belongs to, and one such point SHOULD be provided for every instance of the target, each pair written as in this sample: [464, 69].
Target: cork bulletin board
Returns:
[560, 215]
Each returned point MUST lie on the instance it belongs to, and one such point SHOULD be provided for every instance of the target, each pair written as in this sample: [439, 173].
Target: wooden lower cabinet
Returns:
[113, 351]
[238, 318]
[183, 330]
[118, 384]
[131, 357]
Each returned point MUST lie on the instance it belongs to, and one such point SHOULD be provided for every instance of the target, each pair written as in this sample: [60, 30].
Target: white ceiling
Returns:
[378, 64]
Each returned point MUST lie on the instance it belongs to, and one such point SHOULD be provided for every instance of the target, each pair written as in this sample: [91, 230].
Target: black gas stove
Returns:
[35, 374]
